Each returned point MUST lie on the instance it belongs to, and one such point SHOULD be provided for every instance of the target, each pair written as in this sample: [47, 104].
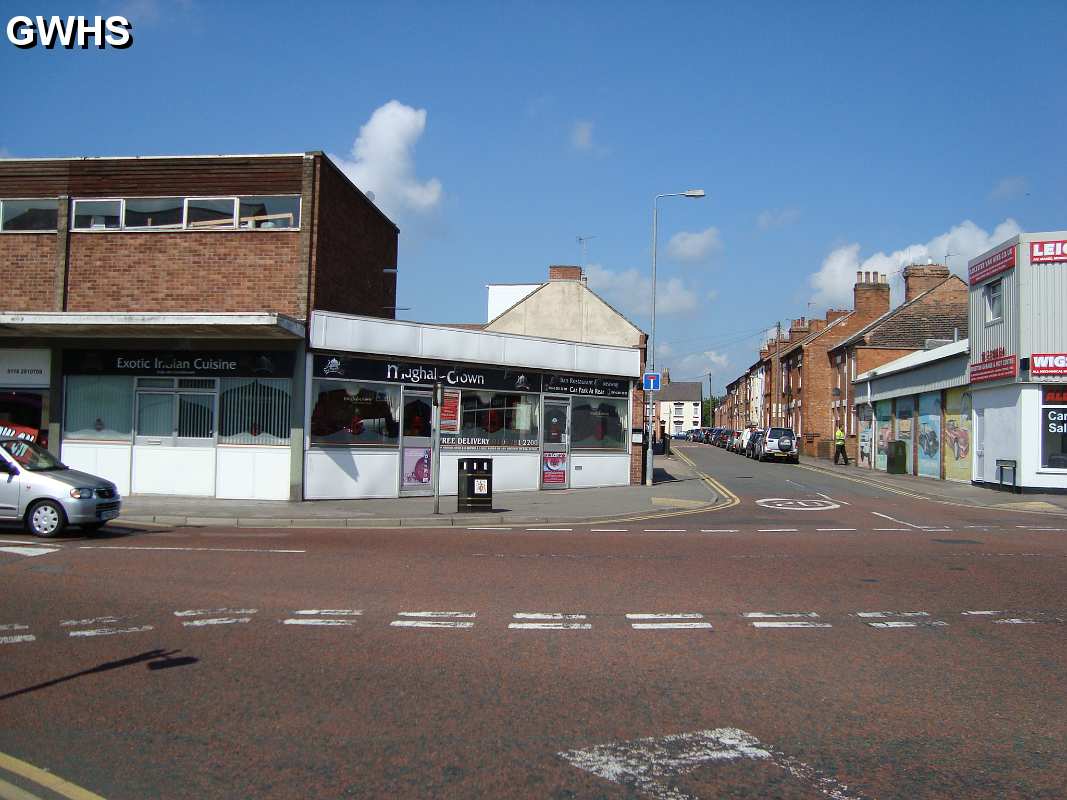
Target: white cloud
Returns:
[694, 247]
[630, 291]
[692, 366]
[148, 12]
[834, 280]
[383, 160]
[582, 135]
[777, 218]
[1009, 187]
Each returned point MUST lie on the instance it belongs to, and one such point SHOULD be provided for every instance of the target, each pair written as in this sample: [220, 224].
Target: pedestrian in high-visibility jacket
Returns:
[839, 446]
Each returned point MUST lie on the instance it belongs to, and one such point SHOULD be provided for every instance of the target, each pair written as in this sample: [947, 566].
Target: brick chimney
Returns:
[564, 272]
[817, 325]
[871, 294]
[833, 314]
[799, 328]
[920, 277]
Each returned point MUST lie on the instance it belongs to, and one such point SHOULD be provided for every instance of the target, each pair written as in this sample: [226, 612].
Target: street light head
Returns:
[694, 193]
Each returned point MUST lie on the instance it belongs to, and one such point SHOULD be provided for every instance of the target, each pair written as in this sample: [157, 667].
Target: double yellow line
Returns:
[731, 498]
[15, 766]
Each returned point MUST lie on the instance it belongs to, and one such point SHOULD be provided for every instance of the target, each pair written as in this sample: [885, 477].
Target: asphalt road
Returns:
[838, 641]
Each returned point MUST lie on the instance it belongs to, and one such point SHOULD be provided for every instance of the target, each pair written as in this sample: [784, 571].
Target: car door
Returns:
[10, 485]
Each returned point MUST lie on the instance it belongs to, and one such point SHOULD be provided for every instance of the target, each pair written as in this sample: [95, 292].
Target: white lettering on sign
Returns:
[1048, 364]
[69, 32]
[978, 271]
[1048, 252]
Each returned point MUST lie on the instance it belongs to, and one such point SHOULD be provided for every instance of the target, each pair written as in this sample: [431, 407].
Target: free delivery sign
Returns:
[1048, 364]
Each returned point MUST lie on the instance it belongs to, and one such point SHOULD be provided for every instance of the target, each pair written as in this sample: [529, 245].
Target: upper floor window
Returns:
[265, 212]
[29, 215]
[994, 301]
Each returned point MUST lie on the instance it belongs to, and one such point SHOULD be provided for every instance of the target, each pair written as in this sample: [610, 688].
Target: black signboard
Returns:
[427, 374]
[181, 363]
[586, 385]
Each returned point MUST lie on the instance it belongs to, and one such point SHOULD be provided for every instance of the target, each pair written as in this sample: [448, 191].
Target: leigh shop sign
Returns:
[1048, 252]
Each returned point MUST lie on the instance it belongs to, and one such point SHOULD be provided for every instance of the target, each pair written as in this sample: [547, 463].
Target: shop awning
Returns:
[135, 325]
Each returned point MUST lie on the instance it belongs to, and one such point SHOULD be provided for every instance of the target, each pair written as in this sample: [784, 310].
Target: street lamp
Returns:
[694, 193]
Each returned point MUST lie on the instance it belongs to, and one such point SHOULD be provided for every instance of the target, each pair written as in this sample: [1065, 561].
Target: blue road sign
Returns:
[651, 381]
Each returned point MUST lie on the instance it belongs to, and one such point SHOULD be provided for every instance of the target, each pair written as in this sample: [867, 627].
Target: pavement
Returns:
[816, 636]
[677, 489]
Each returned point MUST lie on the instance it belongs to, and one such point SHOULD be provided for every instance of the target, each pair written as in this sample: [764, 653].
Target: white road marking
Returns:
[827, 497]
[791, 624]
[1015, 621]
[899, 623]
[326, 621]
[835, 529]
[32, 542]
[664, 616]
[199, 623]
[898, 521]
[889, 529]
[22, 637]
[664, 530]
[776, 530]
[660, 626]
[111, 631]
[788, 504]
[459, 614]
[29, 551]
[332, 612]
[14, 626]
[981, 613]
[607, 530]
[550, 626]
[652, 766]
[540, 615]
[718, 530]
[550, 529]
[90, 621]
[429, 623]
[654, 622]
[190, 549]
[883, 614]
[487, 528]
[778, 614]
[203, 612]
[1033, 528]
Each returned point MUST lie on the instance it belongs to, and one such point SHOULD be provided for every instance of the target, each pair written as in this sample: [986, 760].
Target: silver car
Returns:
[46, 495]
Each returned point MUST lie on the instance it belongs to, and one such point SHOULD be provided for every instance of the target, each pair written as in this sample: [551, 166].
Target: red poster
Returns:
[554, 469]
[450, 411]
[991, 265]
[11, 430]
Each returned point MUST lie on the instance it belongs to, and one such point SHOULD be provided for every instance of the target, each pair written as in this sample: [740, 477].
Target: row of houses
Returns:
[963, 381]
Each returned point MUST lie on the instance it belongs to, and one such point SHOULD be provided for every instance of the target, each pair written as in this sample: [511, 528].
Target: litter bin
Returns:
[475, 485]
[896, 458]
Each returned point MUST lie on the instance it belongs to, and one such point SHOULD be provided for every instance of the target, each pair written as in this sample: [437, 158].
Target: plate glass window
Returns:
[29, 215]
[270, 212]
[94, 215]
[354, 413]
[154, 212]
[1054, 427]
[98, 407]
[994, 301]
[500, 418]
[599, 423]
[210, 213]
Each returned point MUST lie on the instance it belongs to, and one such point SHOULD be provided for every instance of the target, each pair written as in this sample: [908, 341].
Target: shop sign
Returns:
[992, 265]
[586, 385]
[486, 443]
[1048, 252]
[1054, 396]
[25, 367]
[181, 363]
[1048, 364]
[450, 411]
[426, 374]
[995, 364]
[554, 469]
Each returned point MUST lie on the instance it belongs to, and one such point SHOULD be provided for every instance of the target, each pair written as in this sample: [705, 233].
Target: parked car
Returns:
[736, 441]
[46, 495]
[746, 434]
[780, 444]
[754, 447]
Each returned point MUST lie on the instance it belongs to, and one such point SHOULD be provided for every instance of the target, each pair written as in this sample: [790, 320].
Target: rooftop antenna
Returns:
[947, 254]
[583, 246]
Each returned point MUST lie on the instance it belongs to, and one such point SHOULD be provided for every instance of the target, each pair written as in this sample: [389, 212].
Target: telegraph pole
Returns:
[775, 370]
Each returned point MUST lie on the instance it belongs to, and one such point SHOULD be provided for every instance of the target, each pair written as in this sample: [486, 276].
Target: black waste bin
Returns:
[475, 485]
[897, 458]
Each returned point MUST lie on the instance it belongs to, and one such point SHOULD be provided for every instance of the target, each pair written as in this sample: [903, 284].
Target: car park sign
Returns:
[651, 381]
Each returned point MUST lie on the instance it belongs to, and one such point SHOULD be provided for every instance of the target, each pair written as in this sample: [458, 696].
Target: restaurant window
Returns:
[269, 212]
[354, 413]
[994, 301]
[29, 215]
[1054, 427]
[210, 213]
[599, 423]
[254, 411]
[153, 212]
[94, 215]
[98, 407]
[501, 418]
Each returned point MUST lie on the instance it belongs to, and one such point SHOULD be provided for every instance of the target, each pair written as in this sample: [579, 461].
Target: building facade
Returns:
[678, 407]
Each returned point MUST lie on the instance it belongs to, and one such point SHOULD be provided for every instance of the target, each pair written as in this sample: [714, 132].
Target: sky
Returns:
[829, 137]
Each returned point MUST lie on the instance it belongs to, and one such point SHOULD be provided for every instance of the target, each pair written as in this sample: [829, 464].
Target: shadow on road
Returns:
[157, 659]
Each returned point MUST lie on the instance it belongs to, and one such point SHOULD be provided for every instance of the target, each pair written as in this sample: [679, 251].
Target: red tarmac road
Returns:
[861, 696]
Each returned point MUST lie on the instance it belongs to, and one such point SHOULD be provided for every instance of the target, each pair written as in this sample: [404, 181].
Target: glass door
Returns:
[556, 444]
[416, 445]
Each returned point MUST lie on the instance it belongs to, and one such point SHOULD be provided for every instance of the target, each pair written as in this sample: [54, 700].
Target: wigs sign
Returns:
[70, 32]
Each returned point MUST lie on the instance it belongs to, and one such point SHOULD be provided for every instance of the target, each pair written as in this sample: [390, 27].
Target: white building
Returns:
[678, 407]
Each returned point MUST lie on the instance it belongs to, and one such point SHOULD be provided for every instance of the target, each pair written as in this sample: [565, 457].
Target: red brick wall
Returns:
[353, 243]
[564, 272]
[186, 271]
[28, 262]
[637, 417]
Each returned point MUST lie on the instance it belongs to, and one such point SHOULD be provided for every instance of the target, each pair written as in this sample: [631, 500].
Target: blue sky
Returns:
[829, 137]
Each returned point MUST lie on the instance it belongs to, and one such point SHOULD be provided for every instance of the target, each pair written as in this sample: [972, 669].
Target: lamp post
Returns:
[695, 193]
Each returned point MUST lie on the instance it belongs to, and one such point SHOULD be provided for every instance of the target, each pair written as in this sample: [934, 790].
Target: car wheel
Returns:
[46, 519]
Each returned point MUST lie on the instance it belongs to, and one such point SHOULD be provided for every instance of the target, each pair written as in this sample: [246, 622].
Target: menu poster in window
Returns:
[450, 411]
[554, 469]
[417, 469]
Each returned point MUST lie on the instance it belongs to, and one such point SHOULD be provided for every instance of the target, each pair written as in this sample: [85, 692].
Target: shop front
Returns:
[195, 422]
[25, 379]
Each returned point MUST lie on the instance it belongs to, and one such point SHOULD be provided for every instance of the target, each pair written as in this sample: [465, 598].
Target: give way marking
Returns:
[652, 765]
[791, 504]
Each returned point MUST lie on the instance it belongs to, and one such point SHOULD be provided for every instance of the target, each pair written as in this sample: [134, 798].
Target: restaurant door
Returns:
[556, 444]
[175, 435]
[416, 447]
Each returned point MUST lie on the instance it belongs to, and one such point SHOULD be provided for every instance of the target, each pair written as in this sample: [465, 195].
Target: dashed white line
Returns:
[111, 631]
[665, 616]
[545, 626]
[888, 529]
[29, 552]
[894, 519]
[332, 612]
[199, 623]
[608, 530]
[835, 529]
[546, 615]
[14, 626]
[776, 530]
[1015, 621]
[203, 612]
[663, 626]
[429, 623]
[434, 619]
[321, 621]
[790, 624]
[778, 614]
[718, 530]
[17, 639]
[883, 614]
[664, 530]
[189, 549]
[551, 530]
[899, 623]
[431, 614]
[91, 621]
[487, 528]
[653, 622]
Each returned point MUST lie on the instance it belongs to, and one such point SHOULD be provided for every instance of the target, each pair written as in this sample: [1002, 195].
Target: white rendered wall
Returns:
[105, 460]
[512, 472]
[589, 470]
[1003, 436]
[252, 473]
[186, 471]
[339, 473]
[504, 296]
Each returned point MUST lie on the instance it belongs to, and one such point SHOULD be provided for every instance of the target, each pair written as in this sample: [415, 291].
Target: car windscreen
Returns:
[778, 433]
[30, 456]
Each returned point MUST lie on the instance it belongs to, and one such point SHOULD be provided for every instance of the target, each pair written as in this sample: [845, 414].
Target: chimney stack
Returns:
[870, 297]
[564, 272]
[919, 278]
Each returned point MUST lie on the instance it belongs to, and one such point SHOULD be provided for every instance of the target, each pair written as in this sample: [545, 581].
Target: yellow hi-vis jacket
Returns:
[839, 437]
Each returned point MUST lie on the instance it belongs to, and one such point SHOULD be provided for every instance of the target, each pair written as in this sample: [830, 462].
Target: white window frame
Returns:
[987, 292]
[74, 213]
[148, 228]
[185, 213]
[233, 217]
[24, 200]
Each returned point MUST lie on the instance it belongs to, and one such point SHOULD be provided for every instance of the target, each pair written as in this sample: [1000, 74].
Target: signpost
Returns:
[651, 383]
[438, 392]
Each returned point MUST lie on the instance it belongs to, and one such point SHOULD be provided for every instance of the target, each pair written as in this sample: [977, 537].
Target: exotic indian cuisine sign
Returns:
[1001, 261]
[995, 364]
[181, 363]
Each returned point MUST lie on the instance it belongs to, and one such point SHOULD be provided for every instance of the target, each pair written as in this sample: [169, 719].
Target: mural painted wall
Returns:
[906, 429]
[930, 435]
[883, 410]
[865, 456]
[956, 436]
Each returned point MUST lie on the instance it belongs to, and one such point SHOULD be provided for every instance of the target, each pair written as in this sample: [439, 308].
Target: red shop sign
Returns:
[1048, 252]
[994, 368]
[992, 265]
[1048, 364]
